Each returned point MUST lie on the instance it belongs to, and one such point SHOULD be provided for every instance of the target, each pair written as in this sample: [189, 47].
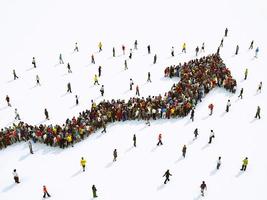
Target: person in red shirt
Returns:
[159, 138]
[45, 192]
[211, 108]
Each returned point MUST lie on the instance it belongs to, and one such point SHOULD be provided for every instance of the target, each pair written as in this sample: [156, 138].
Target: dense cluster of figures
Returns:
[198, 77]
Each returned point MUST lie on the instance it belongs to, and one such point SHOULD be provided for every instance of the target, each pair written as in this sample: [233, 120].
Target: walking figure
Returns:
[184, 48]
[131, 54]
[211, 106]
[60, 59]
[251, 45]
[221, 44]
[46, 114]
[155, 59]
[172, 52]
[134, 140]
[167, 175]
[203, 187]
[76, 47]
[15, 75]
[184, 150]
[218, 163]
[17, 114]
[45, 192]
[102, 90]
[159, 140]
[8, 101]
[197, 50]
[203, 47]
[99, 71]
[226, 32]
[256, 52]
[69, 88]
[94, 191]
[228, 105]
[96, 80]
[100, 46]
[123, 49]
[131, 84]
[148, 77]
[83, 163]
[38, 80]
[92, 59]
[192, 114]
[125, 65]
[211, 136]
[104, 127]
[113, 52]
[246, 74]
[244, 164]
[148, 49]
[30, 147]
[137, 91]
[76, 100]
[135, 44]
[16, 176]
[259, 87]
[241, 93]
[68, 67]
[33, 62]
[115, 155]
[258, 113]
[195, 133]
[236, 50]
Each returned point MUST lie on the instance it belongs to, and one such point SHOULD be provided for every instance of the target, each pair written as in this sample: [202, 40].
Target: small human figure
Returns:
[115, 155]
[8, 101]
[256, 52]
[16, 176]
[99, 70]
[241, 93]
[137, 90]
[134, 140]
[218, 163]
[159, 140]
[184, 48]
[192, 114]
[61, 59]
[228, 105]
[203, 187]
[92, 59]
[211, 136]
[45, 192]
[96, 80]
[76, 47]
[123, 49]
[135, 44]
[148, 49]
[94, 191]
[203, 47]
[195, 133]
[17, 117]
[46, 114]
[258, 112]
[15, 75]
[236, 50]
[172, 52]
[102, 90]
[76, 100]
[155, 59]
[167, 175]
[226, 32]
[251, 45]
[197, 50]
[148, 77]
[38, 80]
[69, 88]
[33, 62]
[244, 164]
[68, 67]
[113, 52]
[131, 54]
[184, 150]
[246, 74]
[259, 87]
[104, 127]
[131, 84]
[83, 163]
[30, 147]
[125, 65]
[221, 44]
[211, 106]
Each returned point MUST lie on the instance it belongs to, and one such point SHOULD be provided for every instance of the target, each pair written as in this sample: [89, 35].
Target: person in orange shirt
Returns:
[45, 192]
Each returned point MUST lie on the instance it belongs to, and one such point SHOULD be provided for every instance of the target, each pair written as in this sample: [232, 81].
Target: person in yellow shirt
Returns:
[83, 163]
[184, 48]
[96, 80]
[245, 164]
[100, 46]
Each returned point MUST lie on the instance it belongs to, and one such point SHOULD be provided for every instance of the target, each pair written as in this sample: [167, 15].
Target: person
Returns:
[104, 127]
[16, 176]
[131, 84]
[197, 50]
[203, 187]
[184, 150]
[60, 59]
[211, 136]
[113, 52]
[226, 32]
[30, 147]
[246, 74]
[236, 50]
[15, 75]
[134, 140]
[115, 155]
[148, 49]
[68, 67]
[33, 62]
[102, 90]
[46, 114]
[184, 48]
[125, 65]
[94, 191]
[228, 105]
[244, 164]
[195, 133]
[256, 52]
[167, 174]
[92, 59]
[123, 49]
[83, 163]
[137, 91]
[159, 140]
[99, 70]
[218, 163]
[155, 59]
[241, 93]
[251, 45]
[38, 80]
[148, 77]
[203, 47]
[17, 114]
[8, 101]
[172, 52]
[76, 47]
[76, 100]
[192, 114]
[135, 44]
[259, 87]
[96, 80]
[131, 54]
[218, 51]
[211, 106]
[69, 88]
[45, 192]
[258, 112]
[221, 44]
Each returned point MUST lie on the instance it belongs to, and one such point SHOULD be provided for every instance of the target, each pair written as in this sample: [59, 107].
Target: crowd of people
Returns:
[197, 78]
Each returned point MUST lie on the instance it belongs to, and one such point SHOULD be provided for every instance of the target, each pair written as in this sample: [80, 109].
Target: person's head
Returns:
[14, 170]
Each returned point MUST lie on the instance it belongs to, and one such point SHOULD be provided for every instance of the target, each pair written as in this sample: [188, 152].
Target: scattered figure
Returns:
[251, 45]
[258, 112]
[99, 70]
[184, 150]
[100, 46]
[211, 136]
[134, 140]
[131, 84]
[76, 100]
[211, 106]
[17, 117]
[167, 174]
[159, 140]
[30, 147]
[172, 52]
[246, 74]
[96, 80]
[197, 50]
[16, 176]
[102, 90]
[92, 59]
[94, 191]
[125, 65]
[76, 47]
[244, 165]
[256, 52]
[33, 62]
[135, 44]
[83, 163]
[259, 87]
[15, 75]
[241, 93]
[46, 114]
[60, 59]
[148, 49]
[45, 192]
[38, 80]
[218, 163]
[226, 32]
[236, 50]
[69, 88]
[137, 91]
[148, 77]
[203, 187]
[155, 59]
[228, 105]
[115, 155]
[8, 101]
[113, 52]
[184, 48]
[68, 67]
[195, 133]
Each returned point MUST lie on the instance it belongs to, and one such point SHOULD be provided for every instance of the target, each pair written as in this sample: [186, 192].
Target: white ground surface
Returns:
[46, 28]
